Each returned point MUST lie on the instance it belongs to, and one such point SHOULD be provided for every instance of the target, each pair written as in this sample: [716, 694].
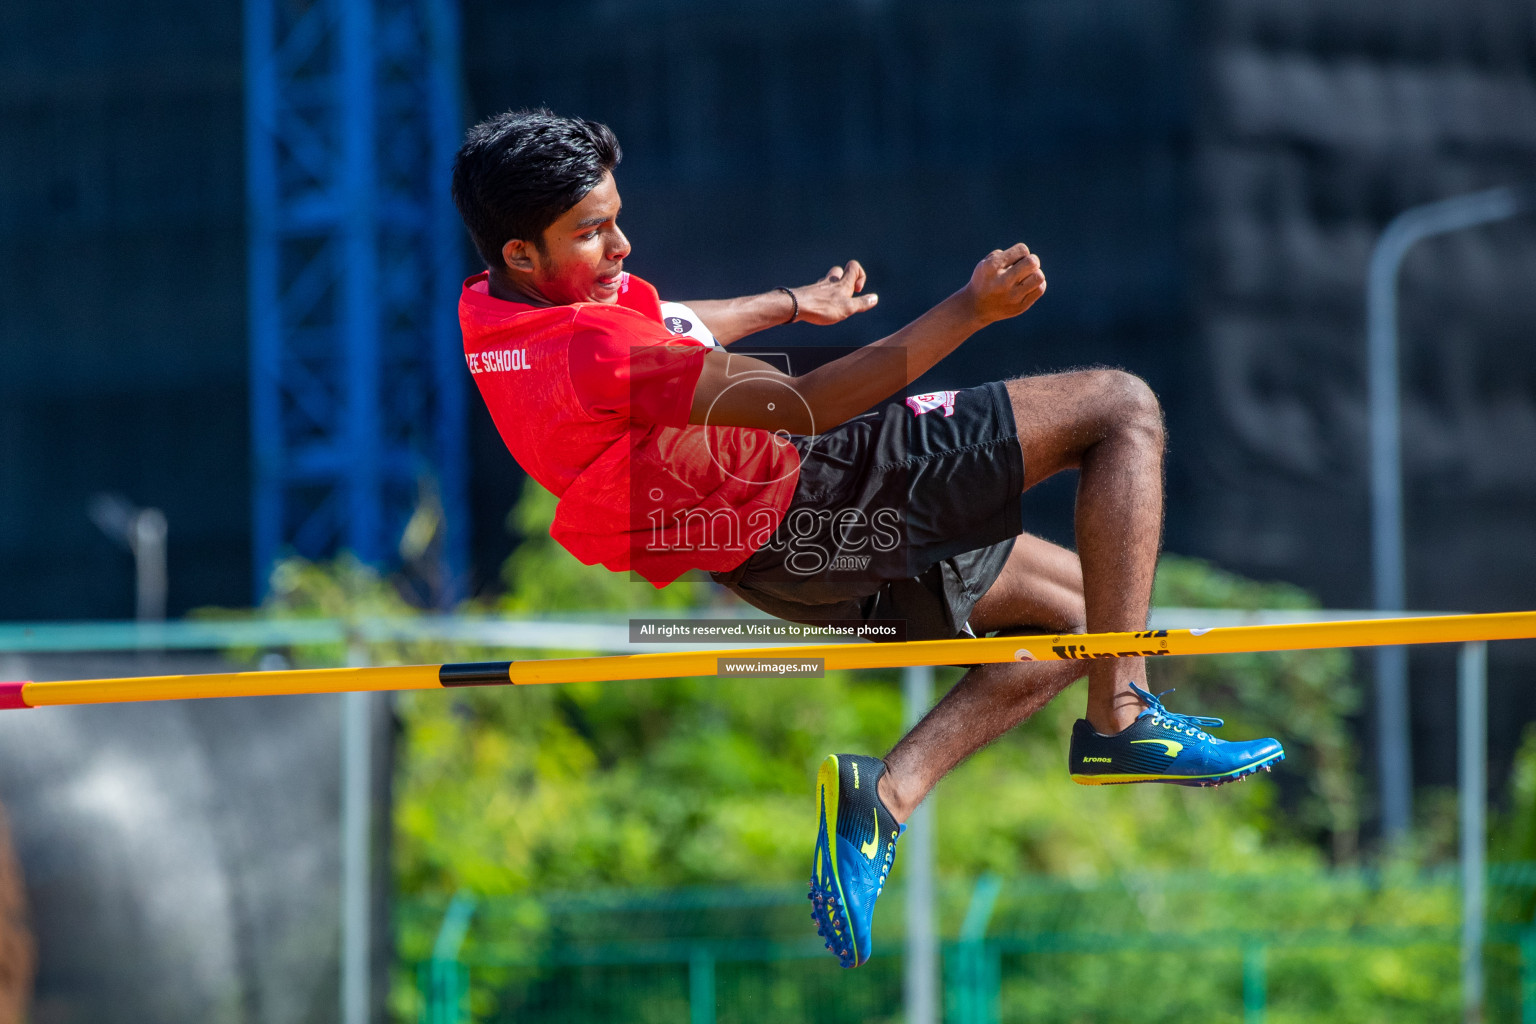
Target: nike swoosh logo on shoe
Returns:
[872, 847]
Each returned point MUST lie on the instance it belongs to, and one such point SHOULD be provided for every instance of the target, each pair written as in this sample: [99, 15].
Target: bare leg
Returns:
[1039, 590]
[1107, 424]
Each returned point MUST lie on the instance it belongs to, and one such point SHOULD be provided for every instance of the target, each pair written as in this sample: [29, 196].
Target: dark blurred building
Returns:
[122, 300]
[1203, 179]
[1316, 124]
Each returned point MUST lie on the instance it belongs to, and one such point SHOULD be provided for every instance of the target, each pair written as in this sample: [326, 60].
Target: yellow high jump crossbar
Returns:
[1440, 629]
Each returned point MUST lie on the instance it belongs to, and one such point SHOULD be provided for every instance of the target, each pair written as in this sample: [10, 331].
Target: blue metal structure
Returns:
[357, 386]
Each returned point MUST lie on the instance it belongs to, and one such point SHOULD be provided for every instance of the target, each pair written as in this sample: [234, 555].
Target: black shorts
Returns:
[906, 513]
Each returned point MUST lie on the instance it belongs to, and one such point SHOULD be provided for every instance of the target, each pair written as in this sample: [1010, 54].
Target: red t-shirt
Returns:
[593, 401]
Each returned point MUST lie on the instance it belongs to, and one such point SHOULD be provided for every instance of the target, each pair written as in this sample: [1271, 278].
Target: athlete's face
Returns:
[583, 253]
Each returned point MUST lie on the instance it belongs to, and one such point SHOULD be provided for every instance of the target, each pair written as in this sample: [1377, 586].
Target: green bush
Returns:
[518, 794]
[690, 781]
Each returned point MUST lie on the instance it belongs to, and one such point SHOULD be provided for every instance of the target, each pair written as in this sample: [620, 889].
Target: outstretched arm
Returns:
[828, 301]
[740, 391]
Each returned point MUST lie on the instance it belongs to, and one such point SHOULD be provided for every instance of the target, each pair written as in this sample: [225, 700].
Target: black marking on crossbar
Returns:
[1080, 652]
[476, 673]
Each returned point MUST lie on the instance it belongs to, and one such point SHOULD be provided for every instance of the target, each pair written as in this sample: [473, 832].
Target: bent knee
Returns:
[1130, 402]
[1061, 416]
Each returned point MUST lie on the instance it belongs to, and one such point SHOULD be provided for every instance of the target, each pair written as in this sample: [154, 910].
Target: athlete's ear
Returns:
[518, 255]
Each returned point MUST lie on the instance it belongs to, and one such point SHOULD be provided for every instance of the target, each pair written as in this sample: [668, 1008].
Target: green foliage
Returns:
[515, 794]
[693, 780]
[342, 590]
[542, 577]
[1348, 946]
[1012, 808]
[1193, 583]
[525, 792]
[1303, 697]
[1514, 838]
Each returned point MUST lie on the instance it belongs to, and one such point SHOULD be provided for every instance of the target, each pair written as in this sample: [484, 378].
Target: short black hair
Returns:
[519, 171]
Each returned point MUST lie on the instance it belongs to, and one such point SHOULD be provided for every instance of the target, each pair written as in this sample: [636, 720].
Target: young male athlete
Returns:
[669, 453]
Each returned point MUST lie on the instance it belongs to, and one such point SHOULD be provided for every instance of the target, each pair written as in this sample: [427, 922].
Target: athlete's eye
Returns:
[589, 236]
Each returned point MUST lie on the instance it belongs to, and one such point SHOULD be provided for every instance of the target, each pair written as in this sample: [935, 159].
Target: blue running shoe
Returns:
[855, 848]
[1161, 746]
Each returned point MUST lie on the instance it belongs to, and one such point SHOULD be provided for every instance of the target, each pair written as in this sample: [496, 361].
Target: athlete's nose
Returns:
[618, 245]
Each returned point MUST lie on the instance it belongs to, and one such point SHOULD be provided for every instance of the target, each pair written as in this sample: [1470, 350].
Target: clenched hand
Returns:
[1006, 283]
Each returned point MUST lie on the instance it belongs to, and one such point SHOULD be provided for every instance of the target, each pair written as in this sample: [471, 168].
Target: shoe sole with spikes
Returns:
[855, 847]
[1203, 782]
[1239, 776]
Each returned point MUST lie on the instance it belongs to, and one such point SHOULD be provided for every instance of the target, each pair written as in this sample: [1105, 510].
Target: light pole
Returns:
[1387, 548]
[142, 531]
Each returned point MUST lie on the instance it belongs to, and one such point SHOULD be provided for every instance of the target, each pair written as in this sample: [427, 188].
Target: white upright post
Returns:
[921, 982]
[356, 826]
[1472, 698]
